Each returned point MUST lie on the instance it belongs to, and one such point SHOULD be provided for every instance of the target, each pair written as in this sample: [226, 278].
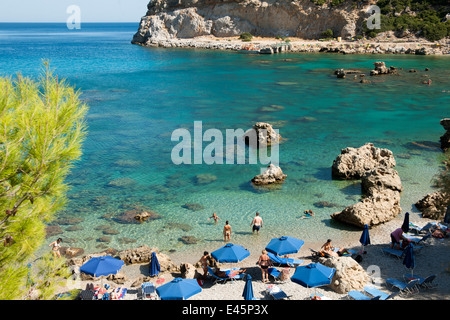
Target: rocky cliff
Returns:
[180, 19]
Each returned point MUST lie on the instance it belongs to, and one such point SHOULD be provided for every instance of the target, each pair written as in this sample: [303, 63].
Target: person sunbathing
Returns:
[328, 248]
[228, 273]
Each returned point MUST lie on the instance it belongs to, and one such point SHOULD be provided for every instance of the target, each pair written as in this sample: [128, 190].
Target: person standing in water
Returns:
[215, 217]
[55, 247]
[257, 223]
[227, 231]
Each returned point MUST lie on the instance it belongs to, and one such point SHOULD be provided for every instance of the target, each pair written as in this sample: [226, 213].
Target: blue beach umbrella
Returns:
[284, 245]
[365, 238]
[248, 288]
[154, 265]
[179, 289]
[405, 225]
[313, 275]
[230, 253]
[409, 260]
[102, 266]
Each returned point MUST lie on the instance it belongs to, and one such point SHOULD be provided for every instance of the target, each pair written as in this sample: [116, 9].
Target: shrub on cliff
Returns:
[327, 34]
[246, 36]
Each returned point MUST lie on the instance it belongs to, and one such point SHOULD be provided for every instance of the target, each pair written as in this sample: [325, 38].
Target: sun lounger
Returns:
[284, 261]
[122, 292]
[224, 279]
[276, 293]
[318, 296]
[358, 295]
[374, 292]
[275, 273]
[393, 252]
[416, 240]
[148, 290]
[410, 287]
[423, 282]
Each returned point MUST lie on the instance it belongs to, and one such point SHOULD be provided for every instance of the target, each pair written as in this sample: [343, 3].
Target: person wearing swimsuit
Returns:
[204, 260]
[227, 231]
[55, 247]
[264, 264]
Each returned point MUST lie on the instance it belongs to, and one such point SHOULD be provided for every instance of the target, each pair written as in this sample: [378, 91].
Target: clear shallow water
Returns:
[138, 96]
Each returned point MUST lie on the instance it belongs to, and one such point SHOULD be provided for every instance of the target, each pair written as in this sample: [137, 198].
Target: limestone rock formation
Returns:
[261, 134]
[349, 274]
[433, 205]
[445, 139]
[381, 187]
[353, 163]
[273, 174]
[170, 19]
[380, 68]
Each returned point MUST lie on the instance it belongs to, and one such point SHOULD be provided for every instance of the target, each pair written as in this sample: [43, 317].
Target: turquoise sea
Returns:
[138, 96]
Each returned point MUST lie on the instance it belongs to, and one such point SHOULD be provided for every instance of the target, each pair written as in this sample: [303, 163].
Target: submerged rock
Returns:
[204, 178]
[193, 206]
[136, 215]
[380, 68]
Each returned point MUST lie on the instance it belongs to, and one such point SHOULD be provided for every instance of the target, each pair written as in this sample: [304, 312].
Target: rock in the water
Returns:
[353, 163]
[273, 174]
[261, 134]
[380, 68]
[382, 188]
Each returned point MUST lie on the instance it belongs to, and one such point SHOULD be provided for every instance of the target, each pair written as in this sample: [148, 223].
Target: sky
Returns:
[56, 10]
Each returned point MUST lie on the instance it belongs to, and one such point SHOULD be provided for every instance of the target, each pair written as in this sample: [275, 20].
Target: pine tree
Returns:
[42, 127]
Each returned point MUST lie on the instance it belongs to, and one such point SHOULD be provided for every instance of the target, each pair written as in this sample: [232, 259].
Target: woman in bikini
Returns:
[204, 260]
[55, 247]
[264, 263]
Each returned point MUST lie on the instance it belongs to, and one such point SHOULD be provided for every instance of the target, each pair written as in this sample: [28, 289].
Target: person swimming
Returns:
[307, 214]
[215, 217]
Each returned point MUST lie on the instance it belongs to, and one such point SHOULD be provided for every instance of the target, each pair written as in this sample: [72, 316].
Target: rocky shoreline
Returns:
[294, 45]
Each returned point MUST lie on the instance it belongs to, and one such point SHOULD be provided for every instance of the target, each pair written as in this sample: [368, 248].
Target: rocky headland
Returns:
[210, 24]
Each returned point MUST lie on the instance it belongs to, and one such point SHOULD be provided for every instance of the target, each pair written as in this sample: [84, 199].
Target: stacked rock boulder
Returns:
[264, 133]
[380, 68]
[380, 184]
[273, 174]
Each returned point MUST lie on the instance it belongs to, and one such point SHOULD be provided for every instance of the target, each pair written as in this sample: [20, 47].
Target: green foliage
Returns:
[427, 23]
[42, 128]
[246, 36]
[327, 33]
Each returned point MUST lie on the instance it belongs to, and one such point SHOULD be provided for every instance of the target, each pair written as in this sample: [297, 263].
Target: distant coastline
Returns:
[398, 46]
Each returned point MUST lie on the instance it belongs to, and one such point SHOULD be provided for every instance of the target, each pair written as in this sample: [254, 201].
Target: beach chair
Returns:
[275, 273]
[122, 292]
[374, 292]
[405, 288]
[417, 240]
[318, 296]
[276, 260]
[276, 293]
[428, 282]
[224, 279]
[393, 252]
[148, 291]
[423, 282]
[358, 295]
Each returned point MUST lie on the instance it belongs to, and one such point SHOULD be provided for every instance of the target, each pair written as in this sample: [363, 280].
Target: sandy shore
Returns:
[433, 258]
[387, 46]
